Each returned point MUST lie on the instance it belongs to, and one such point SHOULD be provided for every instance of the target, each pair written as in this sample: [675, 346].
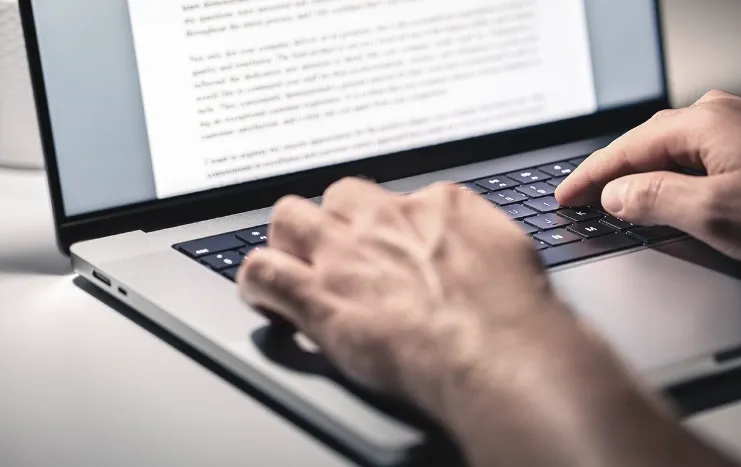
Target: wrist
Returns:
[545, 374]
[471, 355]
[548, 391]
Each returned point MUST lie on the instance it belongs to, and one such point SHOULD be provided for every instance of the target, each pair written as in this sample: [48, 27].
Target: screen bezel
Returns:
[163, 213]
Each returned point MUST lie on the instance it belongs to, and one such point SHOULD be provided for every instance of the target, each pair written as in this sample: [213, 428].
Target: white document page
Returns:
[239, 90]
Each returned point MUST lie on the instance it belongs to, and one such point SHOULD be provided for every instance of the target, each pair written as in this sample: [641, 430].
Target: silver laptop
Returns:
[170, 128]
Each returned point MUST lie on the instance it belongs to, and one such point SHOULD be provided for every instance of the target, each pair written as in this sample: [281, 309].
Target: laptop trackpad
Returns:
[660, 306]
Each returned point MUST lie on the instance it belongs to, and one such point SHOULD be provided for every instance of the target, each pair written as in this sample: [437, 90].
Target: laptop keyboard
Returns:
[561, 235]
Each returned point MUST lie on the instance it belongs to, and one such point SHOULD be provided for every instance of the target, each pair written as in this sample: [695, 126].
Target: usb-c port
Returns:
[102, 278]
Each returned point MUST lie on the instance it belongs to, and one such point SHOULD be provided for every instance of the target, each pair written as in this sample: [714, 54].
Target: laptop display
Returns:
[151, 100]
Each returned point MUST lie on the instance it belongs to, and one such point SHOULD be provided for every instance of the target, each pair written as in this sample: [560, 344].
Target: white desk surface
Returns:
[83, 386]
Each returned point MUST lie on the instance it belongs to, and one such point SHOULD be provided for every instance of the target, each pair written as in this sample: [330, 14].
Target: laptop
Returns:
[170, 128]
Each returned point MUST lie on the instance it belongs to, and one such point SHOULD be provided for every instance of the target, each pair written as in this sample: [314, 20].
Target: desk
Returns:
[83, 386]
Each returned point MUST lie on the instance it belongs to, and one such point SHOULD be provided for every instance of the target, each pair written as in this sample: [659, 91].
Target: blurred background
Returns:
[703, 39]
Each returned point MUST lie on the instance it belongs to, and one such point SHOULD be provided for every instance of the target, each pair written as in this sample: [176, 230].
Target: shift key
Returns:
[587, 249]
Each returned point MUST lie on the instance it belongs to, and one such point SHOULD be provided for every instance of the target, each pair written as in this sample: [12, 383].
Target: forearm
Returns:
[554, 396]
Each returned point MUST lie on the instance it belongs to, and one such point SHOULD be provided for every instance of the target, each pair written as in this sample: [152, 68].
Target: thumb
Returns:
[657, 198]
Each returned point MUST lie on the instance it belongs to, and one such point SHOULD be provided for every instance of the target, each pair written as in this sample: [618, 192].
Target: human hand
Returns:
[405, 294]
[635, 182]
[438, 299]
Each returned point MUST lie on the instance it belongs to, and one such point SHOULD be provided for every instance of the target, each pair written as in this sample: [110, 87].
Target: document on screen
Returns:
[239, 90]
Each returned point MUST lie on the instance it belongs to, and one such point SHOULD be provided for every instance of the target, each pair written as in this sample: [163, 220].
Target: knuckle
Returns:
[446, 189]
[341, 186]
[664, 114]
[437, 188]
[715, 94]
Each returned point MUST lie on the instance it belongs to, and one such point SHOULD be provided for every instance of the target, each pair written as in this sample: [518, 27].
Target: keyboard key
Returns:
[536, 190]
[616, 223]
[518, 211]
[529, 176]
[506, 197]
[557, 237]
[548, 221]
[527, 228]
[539, 245]
[472, 188]
[580, 214]
[231, 274]
[254, 236]
[546, 205]
[561, 169]
[249, 249]
[591, 229]
[578, 161]
[209, 246]
[587, 249]
[224, 260]
[654, 234]
[555, 182]
[497, 182]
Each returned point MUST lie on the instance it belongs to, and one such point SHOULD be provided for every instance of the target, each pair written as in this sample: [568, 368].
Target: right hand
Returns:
[633, 177]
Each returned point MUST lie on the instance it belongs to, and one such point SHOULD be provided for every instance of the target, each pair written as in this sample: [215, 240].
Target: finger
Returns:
[659, 198]
[349, 196]
[669, 139]
[297, 227]
[282, 284]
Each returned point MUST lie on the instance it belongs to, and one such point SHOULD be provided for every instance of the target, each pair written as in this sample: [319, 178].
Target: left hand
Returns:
[402, 291]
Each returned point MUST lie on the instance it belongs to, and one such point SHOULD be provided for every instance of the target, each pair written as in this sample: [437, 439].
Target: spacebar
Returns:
[587, 249]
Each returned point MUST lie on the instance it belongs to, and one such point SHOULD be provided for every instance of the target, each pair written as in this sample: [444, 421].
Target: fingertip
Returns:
[243, 280]
[613, 196]
[572, 192]
[563, 193]
[278, 285]
[240, 277]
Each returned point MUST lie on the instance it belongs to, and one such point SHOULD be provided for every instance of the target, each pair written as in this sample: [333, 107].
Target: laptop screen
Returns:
[154, 99]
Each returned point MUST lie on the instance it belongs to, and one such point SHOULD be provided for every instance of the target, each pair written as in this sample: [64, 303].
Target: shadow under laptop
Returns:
[36, 261]
[279, 345]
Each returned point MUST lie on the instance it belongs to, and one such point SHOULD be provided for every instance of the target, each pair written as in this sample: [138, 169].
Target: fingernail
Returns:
[613, 196]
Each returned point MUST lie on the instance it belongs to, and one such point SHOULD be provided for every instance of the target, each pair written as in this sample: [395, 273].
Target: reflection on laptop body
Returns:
[171, 127]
